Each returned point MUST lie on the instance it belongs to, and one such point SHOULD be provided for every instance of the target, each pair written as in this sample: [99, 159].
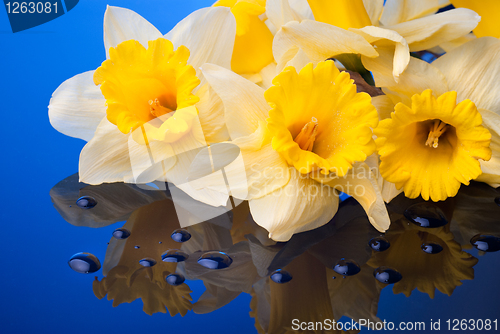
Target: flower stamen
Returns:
[307, 135]
[157, 109]
[438, 128]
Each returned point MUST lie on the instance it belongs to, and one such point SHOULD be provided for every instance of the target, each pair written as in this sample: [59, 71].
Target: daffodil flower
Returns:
[399, 26]
[317, 135]
[445, 128]
[147, 104]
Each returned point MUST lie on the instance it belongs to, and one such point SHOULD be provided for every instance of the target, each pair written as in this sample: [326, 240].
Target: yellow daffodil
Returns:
[399, 26]
[147, 106]
[448, 113]
[489, 11]
[317, 135]
[426, 272]
[433, 146]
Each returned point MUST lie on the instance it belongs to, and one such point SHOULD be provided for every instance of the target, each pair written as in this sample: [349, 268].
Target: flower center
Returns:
[307, 135]
[437, 129]
[157, 109]
[140, 84]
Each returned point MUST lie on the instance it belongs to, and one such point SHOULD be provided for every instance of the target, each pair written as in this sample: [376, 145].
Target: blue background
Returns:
[39, 293]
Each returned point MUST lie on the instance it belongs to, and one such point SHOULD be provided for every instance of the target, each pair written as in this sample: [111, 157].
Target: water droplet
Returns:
[281, 276]
[497, 201]
[137, 247]
[160, 242]
[70, 206]
[175, 279]
[346, 267]
[425, 215]
[343, 276]
[334, 277]
[215, 260]
[84, 263]
[121, 233]
[174, 255]
[86, 202]
[431, 248]
[486, 243]
[147, 262]
[379, 244]
[387, 275]
[181, 235]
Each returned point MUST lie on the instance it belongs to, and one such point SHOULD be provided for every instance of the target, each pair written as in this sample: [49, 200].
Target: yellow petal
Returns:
[140, 85]
[302, 205]
[344, 14]
[253, 42]
[489, 10]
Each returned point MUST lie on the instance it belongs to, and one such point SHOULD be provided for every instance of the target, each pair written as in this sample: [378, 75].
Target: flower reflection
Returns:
[426, 272]
[126, 279]
[315, 293]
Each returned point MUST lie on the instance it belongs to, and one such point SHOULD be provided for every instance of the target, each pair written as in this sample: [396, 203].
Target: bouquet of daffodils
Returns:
[288, 104]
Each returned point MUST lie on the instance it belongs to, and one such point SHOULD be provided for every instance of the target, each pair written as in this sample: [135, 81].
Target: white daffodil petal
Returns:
[244, 102]
[77, 107]
[417, 77]
[279, 13]
[472, 70]
[448, 46]
[302, 205]
[299, 60]
[383, 38]
[302, 9]
[362, 184]
[149, 162]
[105, 158]
[491, 168]
[211, 115]
[259, 170]
[398, 11]
[267, 74]
[185, 151]
[315, 39]
[209, 35]
[374, 9]
[430, 31]
[121, 24]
